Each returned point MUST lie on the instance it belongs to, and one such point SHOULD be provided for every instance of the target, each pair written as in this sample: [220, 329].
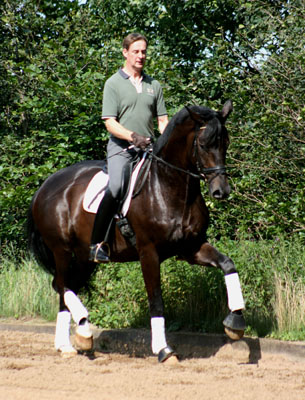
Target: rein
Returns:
[219, 169]
[176, 168]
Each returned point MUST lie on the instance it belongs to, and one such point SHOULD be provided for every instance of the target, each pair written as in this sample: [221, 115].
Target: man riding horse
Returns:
[169, 216]
[131, 101]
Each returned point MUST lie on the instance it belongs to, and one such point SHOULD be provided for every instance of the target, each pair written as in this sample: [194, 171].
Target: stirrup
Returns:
[98, 253]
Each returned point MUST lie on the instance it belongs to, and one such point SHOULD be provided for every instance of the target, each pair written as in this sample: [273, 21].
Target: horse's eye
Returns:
[203, 147]
[202, 143]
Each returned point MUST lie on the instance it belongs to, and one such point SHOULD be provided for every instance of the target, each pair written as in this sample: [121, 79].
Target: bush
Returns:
[194, 298]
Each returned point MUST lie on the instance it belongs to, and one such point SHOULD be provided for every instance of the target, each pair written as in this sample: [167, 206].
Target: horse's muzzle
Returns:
[219, 188]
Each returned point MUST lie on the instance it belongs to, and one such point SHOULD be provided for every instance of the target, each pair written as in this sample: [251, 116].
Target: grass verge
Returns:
[25, 290]
[272, 275]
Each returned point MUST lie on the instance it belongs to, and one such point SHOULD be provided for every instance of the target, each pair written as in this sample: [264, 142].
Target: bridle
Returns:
[218, 169]
[203, 172]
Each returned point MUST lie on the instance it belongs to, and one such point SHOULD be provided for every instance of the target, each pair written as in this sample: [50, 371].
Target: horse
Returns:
[168, 216]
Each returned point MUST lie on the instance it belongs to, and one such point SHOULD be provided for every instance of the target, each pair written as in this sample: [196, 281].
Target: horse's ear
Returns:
[195, 116]
[226, 110]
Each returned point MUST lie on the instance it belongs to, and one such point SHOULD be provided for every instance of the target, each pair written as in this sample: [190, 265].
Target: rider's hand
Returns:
[140, 141]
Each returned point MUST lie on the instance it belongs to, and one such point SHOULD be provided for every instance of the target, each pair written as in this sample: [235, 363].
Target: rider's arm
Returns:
[162, 122]
[118, 130]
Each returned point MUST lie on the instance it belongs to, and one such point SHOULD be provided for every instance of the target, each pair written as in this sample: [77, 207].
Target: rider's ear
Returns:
[125, 53]
[226, 110]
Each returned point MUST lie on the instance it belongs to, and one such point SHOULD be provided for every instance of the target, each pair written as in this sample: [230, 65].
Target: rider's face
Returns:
[136, 55]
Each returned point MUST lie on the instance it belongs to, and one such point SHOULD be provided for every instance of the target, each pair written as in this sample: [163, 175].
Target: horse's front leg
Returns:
[83, 335]
[151, 273]
[209, 256]
[70, 304]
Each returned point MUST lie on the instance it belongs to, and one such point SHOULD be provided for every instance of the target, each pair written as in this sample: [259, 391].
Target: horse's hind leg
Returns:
[69, 304]
[207, 255]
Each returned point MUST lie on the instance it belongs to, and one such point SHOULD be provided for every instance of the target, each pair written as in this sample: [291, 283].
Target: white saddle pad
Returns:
[96, 189]
[95, 192]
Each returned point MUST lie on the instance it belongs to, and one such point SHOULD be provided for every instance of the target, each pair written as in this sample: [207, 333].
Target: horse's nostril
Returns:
[220, 192]
[217, 194]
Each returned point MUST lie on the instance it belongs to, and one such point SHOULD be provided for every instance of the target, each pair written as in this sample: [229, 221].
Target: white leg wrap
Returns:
[62, 333]
[235, 297]
[158, 339]
[75, 306]
[84, 330]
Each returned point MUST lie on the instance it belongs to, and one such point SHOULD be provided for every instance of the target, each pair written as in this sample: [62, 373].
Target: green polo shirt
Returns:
[135, 111]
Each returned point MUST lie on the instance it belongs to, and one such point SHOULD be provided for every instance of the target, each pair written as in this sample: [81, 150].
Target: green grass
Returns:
[289, 307]
[273, 280]
[25, 290]
[272, 275]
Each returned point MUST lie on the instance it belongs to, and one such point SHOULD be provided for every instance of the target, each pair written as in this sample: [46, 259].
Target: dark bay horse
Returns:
[169, 218]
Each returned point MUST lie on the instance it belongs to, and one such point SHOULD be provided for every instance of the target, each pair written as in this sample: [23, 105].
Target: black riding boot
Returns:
[99, 248]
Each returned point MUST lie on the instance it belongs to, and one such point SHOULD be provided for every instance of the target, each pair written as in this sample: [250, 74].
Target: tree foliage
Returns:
[57, 54]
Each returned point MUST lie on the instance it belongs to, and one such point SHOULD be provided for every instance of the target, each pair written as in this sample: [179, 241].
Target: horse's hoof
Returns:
[165, 354]
[67, 351]
[83, 343]
[234, 334]
[172, 360]
[235, 321]
[235, 325]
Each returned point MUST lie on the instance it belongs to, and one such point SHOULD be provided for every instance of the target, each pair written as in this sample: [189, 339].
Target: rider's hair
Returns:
[133, 37]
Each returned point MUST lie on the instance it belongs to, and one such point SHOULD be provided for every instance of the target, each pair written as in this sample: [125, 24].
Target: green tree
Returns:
[268, 151]
[56, 55]
[50, 111]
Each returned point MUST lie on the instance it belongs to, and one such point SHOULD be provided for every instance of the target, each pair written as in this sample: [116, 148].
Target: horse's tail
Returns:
[36, 245]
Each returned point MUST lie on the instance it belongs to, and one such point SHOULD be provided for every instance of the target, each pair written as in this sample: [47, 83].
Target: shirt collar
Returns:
[126, 76]
[123, 74]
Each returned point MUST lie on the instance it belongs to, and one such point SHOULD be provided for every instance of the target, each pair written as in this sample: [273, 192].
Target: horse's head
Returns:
[210, 146]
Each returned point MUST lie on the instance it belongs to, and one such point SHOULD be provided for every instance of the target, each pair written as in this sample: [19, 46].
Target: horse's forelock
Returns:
[205, 113]
[212, 130]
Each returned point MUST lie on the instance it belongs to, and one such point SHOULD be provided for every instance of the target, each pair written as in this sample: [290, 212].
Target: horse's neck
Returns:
[173, 197]
[177, 156]
[178, 149]
[173, 184]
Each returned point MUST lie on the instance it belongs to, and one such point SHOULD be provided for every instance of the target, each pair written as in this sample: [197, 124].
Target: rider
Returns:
[131, 100]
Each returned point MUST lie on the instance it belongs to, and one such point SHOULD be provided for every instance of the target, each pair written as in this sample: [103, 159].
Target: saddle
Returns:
[96, 188]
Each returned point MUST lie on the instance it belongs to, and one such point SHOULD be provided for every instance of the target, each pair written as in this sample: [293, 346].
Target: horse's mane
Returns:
[206, 114]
